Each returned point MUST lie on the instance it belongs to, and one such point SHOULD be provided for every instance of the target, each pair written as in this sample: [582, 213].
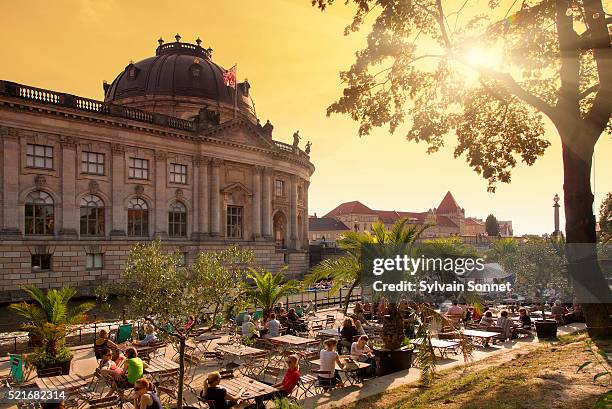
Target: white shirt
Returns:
[328, 363]
[248, 329]
[356, 352]
[273, 328]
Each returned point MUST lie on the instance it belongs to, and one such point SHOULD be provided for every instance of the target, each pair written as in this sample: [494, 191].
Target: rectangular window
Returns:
[39, 156]
[138, 168]
[234, 221]
[94, 261]
[279, 188]
[92, 163]
[41, 262]
[178, 173]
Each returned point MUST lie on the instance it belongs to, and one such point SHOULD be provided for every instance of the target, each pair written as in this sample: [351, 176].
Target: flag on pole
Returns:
[229, 77]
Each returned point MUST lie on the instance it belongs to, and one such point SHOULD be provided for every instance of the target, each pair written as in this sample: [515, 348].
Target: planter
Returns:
[546, 329]
[64, 366]
[390, 361]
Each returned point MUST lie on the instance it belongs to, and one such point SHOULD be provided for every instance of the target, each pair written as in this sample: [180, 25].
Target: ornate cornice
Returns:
[68, 142]
[117, 149]
[161, 155]
[216, 162]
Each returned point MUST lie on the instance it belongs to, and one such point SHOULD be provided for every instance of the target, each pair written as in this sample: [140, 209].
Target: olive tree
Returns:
[492, 74]
[164, 293]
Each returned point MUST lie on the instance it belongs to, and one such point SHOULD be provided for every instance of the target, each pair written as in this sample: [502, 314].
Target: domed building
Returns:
[171, 152]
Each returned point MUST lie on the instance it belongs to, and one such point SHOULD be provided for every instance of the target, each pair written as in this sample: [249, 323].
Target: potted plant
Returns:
[48, 324]
[395, 355]
[538, 266]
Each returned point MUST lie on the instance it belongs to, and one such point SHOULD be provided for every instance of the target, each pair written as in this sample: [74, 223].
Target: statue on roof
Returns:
[296, 139]
[267, 128]
[307, 148]
[207, 118]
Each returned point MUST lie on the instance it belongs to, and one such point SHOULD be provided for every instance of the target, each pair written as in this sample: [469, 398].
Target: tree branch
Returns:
[588, 91]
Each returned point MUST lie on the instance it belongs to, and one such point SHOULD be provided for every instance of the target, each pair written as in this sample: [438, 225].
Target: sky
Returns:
[291, 54]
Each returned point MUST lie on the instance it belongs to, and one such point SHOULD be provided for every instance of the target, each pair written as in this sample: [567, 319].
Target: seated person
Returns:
[361, 352]
[213, 392]
[249, 330]
[287, 385]
[455, 310]
[102, 343]
[190, 323]
[558, 311]
[150, 336]
[359, 327]
[107, 366]
[329, 358]
[133, 368]
[475, 315]
[294, 321]
[309, 309]
[505, 324]
[359, 313]
[144, 393]
[525, 323]
[487, 320]
[347, 333]
[273, 326]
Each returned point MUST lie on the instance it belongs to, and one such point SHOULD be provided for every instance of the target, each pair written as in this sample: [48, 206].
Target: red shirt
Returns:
[290, 380]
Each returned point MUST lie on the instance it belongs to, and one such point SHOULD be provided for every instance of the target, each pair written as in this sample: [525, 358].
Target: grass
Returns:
[542, 378]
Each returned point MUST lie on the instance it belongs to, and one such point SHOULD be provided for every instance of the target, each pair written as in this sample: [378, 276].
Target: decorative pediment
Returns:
[241, 132]
[236, 193]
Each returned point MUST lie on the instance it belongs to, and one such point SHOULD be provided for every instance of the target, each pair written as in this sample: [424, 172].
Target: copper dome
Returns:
[178, 71]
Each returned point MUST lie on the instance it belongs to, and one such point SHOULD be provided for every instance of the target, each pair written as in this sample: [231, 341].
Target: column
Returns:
[204, 210]
[195, 198]
[257, 201]
[118, 213]
[69, 217]
[215, 202]
[161, 211]
[293, 214]
[10, 209]
[305, 233]
[267, 202]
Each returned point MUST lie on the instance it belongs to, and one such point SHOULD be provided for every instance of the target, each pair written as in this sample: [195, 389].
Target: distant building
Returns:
[505, 228]
[448, 219]
[325, 229]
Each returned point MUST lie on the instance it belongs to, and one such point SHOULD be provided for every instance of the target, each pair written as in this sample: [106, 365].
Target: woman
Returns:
[109, 367]
[103, 343]
[249, 330]
[558, 311]
[294, 321]
[361, 352]
[272, 326]
[133, 367]
[213, 392]
[487, 320]
[144, 394]
[359, 313]
[329, 358]
[505, 324]
[150, 336]
[347, 334]
[359, 327]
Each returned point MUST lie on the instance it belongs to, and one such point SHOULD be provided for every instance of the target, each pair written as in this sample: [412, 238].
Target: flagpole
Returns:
[236, 93]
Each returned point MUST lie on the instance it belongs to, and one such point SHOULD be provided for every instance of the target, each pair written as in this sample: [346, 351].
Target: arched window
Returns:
[280, 229]
[138, 218]
[92, 216]
[39, 213]
[177, 220]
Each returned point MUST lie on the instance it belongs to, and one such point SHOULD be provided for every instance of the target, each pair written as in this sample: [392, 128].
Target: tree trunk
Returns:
[181, 377]
[590, 287]
[347, 299]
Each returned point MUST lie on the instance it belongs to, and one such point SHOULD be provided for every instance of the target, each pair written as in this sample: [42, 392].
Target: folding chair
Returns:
[19, 373]
[323, 385]
[124, 333]
[330, 321]
[305, 386]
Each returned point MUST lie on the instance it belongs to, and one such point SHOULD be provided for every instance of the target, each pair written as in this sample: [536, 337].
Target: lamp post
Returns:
[556, 206]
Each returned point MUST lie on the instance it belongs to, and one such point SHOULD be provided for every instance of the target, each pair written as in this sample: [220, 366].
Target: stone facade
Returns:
[145, 175]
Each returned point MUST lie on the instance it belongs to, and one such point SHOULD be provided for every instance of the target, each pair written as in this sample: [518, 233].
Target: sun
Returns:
[481, 57]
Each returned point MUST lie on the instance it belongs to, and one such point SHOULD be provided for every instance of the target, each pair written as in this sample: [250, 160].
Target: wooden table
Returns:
[290, 341]
[69, 383]
[441, 345]
[330, 333]
[240, 353]
[250, 388]
[484, 335]
[204, 341]
[160, 364]
[351, 375]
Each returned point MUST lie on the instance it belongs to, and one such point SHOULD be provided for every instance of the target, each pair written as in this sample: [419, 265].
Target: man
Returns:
[505, 324]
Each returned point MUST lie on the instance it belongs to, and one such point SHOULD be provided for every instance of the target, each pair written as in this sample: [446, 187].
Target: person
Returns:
[455, 310]
[150, 336]
[309, 309]
[487, 320]
[359, 327]
[144, 393]
[558, 311]
[109, 367]
[213, 392]
[359, 313]
[525, 320]
[360, 351]
[505, 324]
[190, 323]
[273, 326]
[278, 307]
[329, 358]
[102, 343]
[133, 368]
[476, 316]
[249, 330]
[347, 334]
[294, 322]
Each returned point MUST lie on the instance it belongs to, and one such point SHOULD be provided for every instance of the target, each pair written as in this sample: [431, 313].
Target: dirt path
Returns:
[536, 377]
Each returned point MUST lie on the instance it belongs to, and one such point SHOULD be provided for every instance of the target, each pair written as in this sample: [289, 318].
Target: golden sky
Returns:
[291, 53]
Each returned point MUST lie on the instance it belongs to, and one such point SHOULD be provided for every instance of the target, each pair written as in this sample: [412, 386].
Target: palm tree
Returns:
[346, 270]
[269, 288]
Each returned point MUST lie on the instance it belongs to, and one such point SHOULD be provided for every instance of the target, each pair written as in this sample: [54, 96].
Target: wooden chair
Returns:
[323, 385]
[305, 386]
[330, 321]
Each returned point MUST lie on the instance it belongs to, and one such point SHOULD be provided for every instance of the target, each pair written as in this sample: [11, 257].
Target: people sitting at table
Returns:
[133, 369]
[329, 358]
[558, 312]
[249, 330]
[272, 326]
[102, 343]
[505, 324]
[575, 315]
[347, 333]
[486, 320]
[107, 366]
[524, 323]
[150, 336]
[455, 310]
[361, 352]
[359, 313]
[294, 322]
[144, 393]
[213, 392]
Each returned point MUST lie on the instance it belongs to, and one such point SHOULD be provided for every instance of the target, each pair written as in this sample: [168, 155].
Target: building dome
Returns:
[178, 80]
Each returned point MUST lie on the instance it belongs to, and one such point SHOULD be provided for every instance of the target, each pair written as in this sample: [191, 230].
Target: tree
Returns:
[436, 66]
[605, 219]
[492, 226]
[164, 293]
[269, 288]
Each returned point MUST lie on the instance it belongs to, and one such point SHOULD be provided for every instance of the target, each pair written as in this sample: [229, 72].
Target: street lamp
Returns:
[556, 206]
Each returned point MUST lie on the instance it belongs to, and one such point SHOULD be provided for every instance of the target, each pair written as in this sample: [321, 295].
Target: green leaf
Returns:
[599, 375]
[584, 365]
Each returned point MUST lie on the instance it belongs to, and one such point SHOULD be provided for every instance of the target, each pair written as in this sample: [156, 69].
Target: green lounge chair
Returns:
[257, 315]
[124, 333]
[240, 317]
[17, 374]
[300, 312]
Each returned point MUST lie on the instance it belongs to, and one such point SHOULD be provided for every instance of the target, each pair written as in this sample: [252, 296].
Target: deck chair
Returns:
[124, 333]
[19, 373]
[240, 317]
[257, 315]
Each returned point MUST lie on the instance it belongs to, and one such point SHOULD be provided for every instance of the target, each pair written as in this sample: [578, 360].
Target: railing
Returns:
[92, 105]
[284, 146]
[40, 95]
